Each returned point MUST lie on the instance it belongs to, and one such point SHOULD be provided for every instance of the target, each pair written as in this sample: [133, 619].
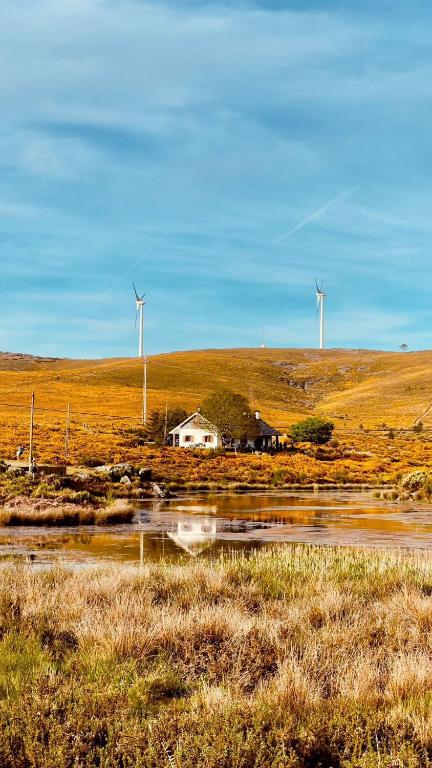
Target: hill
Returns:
[352, 387]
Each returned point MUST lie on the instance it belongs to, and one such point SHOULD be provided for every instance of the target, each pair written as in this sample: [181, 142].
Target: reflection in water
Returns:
[207, 524]
[194, 536]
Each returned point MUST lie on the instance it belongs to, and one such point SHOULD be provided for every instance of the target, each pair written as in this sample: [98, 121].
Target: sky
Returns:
[222, 156]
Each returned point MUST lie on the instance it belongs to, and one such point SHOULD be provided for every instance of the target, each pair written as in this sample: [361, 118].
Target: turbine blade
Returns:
[136, 292]
[136, 318]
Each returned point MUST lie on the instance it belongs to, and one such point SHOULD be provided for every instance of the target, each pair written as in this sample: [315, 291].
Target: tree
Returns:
[231, 415]
[312, 430]
[160, 423]
[403, 347]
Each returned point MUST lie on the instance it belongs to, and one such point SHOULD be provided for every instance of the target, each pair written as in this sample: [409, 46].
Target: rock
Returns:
[117, 471]
[125, 480]
[3, 467]
[16, 471]
[145, 474]
[161, 491]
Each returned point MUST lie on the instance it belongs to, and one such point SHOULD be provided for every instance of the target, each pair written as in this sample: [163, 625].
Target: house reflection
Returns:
[194, 536]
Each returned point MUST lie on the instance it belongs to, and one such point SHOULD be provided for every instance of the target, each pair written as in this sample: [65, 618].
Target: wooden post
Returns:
[32, 411]
[67, 432]
[165, 423]
[144, 412]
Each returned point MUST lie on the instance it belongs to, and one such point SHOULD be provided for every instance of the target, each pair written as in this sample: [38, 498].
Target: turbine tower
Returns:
[320, 295]
[139, 318]
[139, 300]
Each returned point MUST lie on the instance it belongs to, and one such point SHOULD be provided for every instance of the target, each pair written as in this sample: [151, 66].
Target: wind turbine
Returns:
[139, 300]
[139, 318]
[320, 296]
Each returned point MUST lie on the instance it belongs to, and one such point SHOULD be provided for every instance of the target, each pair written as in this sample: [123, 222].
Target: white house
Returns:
[195, 432]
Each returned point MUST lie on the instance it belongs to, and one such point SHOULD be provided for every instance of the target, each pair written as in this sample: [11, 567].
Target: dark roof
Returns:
[266, 430]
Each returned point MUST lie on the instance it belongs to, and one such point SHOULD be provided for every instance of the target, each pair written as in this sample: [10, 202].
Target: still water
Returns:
[203, 525]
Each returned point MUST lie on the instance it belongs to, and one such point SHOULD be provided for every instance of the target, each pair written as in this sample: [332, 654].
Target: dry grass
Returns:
[294, 658]
[40, 512]
[350, 386]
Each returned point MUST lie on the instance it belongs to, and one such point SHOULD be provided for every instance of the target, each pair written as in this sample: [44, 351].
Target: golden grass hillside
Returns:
[352, 387]
[294, 658]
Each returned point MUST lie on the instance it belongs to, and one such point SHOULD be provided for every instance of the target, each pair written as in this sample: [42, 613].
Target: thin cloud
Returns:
[312, 216]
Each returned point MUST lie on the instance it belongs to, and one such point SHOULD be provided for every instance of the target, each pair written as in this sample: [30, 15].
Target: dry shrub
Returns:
[300, 656]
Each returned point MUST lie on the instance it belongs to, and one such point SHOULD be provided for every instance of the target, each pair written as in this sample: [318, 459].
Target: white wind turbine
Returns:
[139, 300]
[320, 296]
[139, 318]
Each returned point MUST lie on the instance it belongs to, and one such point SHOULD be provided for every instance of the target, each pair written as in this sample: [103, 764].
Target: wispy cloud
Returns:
[166, 142]
[310, 218]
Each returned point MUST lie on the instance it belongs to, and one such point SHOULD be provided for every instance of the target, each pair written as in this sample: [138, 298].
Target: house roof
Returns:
[266, 430]
[203, 422]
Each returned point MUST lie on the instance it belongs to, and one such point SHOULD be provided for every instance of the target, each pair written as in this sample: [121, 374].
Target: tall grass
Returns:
[48, 513]
[292, 658]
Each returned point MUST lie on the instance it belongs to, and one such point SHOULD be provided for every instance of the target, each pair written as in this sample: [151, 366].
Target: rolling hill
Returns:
[349, 386]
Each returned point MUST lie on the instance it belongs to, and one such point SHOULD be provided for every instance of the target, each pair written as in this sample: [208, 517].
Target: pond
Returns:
[204, 525]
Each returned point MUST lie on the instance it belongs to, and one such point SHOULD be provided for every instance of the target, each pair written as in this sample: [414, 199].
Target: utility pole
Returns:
[144, 409]
[68, 415]
[32, 411]
[166, 422]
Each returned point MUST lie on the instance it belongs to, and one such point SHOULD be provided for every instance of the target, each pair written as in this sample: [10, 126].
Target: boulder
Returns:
[161, 491]
[117, 471]
[125, 480]
[145, 474]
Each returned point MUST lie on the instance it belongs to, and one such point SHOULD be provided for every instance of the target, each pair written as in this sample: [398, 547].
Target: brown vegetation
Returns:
[358, 390]
[296, 657]
[27, 511]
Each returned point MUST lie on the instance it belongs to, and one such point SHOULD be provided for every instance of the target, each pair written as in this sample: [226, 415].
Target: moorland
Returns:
[300, 656]
[380, 403]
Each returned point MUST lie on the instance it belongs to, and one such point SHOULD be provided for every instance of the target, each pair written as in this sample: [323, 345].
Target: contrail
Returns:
[312, 216]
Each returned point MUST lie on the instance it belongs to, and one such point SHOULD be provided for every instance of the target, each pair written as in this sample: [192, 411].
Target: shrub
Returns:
[413, 481]
[313, 430]
[85, 460]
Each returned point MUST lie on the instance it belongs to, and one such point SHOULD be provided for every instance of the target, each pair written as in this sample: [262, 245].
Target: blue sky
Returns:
[222, 156]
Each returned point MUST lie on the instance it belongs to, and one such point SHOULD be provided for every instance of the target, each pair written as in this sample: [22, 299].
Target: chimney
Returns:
[257, 415]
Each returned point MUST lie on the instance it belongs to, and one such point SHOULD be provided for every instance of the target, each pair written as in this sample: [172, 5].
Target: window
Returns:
[188, 439]
[208, 438]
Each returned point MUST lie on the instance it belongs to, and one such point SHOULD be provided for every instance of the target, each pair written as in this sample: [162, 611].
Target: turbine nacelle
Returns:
[139, 300]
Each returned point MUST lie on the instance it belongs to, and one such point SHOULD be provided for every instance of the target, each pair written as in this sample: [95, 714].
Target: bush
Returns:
[414, 481]
[85, 460]
[313, 430]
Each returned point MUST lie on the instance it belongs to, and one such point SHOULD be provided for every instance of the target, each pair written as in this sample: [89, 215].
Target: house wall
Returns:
[197, 434]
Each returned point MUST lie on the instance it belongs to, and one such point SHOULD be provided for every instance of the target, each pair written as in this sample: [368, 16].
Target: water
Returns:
[203, 525]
